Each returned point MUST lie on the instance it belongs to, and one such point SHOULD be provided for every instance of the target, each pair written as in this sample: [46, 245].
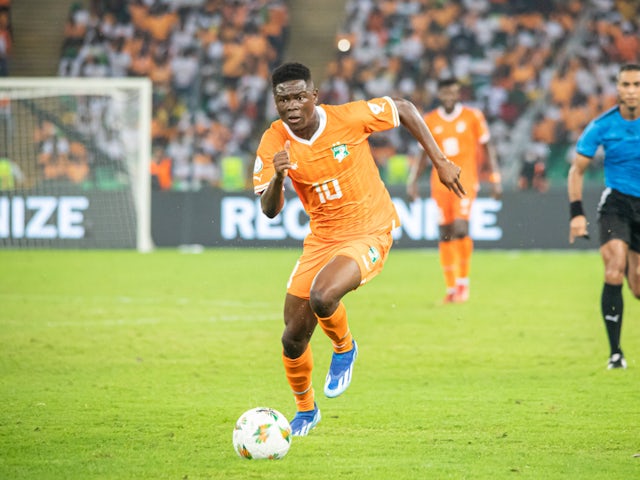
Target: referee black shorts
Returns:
[619, 218]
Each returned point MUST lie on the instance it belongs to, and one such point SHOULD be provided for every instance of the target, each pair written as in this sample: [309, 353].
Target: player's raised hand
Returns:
[578, 228]
[449, 175]
[282, 160]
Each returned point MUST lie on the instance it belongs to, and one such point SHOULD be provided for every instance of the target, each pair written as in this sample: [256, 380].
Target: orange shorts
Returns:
[451, 207]
[370, 252]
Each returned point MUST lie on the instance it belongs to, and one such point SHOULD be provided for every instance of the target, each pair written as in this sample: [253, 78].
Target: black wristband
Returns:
[575, 208]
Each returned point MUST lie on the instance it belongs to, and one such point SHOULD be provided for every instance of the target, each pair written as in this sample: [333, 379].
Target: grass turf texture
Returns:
[119, 365]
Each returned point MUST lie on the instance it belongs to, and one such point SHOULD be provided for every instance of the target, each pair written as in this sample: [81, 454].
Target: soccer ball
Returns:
[262, 433]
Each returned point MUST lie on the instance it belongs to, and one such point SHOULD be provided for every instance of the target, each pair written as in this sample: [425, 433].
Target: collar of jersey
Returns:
[455, 113]
[322, 124]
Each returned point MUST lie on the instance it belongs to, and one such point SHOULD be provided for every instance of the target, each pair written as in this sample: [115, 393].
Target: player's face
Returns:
[629, 89]
[295, 102]
[449, 96]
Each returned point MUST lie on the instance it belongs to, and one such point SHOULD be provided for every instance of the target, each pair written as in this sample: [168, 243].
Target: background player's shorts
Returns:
[370, 252]
[452, 207]
[619, 218]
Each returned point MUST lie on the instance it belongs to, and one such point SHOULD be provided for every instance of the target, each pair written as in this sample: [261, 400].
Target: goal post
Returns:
[75, 163]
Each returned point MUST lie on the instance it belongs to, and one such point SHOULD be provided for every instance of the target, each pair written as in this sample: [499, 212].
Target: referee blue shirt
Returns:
[620, 139]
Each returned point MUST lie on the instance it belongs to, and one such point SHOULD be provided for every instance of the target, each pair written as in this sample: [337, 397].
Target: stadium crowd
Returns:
[544, 62]
[508, 54]
[209, 62]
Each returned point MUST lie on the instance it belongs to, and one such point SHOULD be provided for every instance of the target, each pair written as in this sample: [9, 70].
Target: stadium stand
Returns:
[209, 62]
[538, 69]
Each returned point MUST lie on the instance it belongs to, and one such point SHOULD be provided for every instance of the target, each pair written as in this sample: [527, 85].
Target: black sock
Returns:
[611, 307]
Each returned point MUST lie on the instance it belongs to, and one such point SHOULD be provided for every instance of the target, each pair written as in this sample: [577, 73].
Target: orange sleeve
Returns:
[271, 143]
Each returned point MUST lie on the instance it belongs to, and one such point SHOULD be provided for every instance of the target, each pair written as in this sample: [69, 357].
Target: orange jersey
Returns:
[335, 175]
[459, 135]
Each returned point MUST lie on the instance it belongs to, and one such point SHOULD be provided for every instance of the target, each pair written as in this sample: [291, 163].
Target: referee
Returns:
[618, 132]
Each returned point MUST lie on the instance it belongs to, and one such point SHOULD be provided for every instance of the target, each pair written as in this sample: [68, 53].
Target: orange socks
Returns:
[298, 373]
[449, 260]
[336, 328]
[465, 248]
[298, 370]
[455, 258]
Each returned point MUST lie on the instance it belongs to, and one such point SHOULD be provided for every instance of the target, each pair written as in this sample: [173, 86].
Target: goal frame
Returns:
[100, 86]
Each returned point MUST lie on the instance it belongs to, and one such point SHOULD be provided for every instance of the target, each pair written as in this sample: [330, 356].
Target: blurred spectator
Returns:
[11, 176]
[206, 172]
[59, 158]
[184, 66]
[6, 36]
[161, 178]
[533, 174]
[180, 150]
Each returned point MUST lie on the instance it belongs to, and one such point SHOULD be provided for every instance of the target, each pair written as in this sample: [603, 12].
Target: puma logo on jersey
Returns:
[377, 109]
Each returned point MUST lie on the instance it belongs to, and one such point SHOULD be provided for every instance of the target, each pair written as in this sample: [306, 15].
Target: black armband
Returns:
[575, 208]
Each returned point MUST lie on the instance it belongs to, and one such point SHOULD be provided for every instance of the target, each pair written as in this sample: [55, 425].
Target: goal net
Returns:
[74, 163]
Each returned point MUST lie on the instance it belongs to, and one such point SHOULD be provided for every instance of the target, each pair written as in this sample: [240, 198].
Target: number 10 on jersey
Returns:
[328, 190]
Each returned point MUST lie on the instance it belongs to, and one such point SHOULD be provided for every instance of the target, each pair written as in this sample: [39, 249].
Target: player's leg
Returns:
[355, 262]
[447, 205]
[614, 254]
[297, 359]
[300, 322]
[464, 248]
[336, 279]
[633, 256]
[633, 272]
[448, 260]
[615, 237]
[463, 245]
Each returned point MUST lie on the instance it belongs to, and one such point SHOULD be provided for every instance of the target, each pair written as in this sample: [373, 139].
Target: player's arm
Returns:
[448, 172]
[575, 182]
[272, 199]
[494, 177]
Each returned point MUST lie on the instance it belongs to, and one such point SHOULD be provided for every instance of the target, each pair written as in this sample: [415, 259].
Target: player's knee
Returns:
[613, 276]
[460, 229]
[292, 346]
[323, 302]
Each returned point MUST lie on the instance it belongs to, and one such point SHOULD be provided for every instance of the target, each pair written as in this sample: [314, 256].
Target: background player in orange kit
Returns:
[461, 133]
[324, 151]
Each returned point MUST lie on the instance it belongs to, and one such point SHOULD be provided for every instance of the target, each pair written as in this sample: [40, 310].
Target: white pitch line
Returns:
[112, 322]
[125, 300]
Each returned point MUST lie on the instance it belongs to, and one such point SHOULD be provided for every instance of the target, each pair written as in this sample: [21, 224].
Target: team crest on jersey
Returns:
[340, 152]
[374, 254]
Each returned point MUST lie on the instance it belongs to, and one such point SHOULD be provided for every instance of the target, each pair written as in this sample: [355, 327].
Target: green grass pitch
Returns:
[117, 365]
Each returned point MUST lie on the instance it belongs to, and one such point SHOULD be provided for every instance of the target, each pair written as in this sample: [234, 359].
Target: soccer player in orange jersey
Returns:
[323, 150]
[461, 133]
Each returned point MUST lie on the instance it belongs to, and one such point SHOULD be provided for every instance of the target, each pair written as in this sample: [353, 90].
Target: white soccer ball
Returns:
[262, 433]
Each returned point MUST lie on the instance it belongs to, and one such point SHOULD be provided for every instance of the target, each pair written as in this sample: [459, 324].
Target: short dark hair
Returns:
[290, 71]
[447, 82]
[630, 67]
